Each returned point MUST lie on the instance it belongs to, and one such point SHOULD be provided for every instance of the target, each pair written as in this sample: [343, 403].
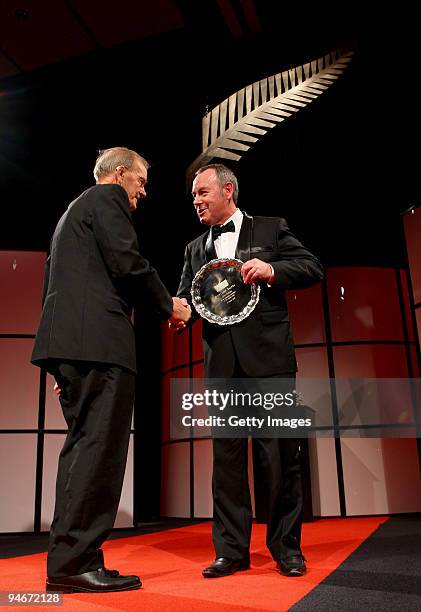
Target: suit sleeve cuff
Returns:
[272, 277]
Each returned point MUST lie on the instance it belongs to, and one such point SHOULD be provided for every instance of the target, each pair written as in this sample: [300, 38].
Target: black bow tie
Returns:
[217, 230]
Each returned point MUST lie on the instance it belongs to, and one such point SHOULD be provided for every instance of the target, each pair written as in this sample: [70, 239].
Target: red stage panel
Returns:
[312, 362]
[306, 315]
[21, 281]
[364, 304]
[166, 399]
[19, 385]
[175, 348]
[407, 306]
[412, 227]
[197, 349]
[198, 370]
[370, 361]
[167, 342]
[181, 349]
[175, 480]
[415, 362]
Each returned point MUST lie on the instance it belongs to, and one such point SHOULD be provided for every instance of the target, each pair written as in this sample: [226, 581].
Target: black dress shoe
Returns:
[223, 566]
[292, 566]
[98, 581]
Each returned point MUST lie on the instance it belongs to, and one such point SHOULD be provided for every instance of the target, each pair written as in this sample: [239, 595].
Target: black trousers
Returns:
[232, 511]
[97, 403]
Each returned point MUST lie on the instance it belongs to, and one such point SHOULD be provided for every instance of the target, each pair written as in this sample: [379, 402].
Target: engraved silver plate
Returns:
[219, 294]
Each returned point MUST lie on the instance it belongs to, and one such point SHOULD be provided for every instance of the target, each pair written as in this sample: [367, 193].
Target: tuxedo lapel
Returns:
[245, 238]
[208, 248]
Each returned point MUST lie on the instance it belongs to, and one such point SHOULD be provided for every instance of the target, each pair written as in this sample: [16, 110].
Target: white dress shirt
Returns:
[226, 244]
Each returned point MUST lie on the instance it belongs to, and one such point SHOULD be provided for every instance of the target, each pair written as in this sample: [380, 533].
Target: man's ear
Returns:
[229, 189]
[119, 174]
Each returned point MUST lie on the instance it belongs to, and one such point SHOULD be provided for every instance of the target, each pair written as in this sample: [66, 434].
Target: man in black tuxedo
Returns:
[94, 276]
[260, 346]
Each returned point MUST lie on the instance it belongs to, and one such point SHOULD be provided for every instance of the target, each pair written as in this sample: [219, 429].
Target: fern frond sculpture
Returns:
[233, 126]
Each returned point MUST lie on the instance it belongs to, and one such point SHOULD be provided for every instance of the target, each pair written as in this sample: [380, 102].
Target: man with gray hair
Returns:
[94, 276]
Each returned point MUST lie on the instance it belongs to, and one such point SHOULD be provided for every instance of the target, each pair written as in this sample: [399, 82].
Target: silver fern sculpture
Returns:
[233, 126]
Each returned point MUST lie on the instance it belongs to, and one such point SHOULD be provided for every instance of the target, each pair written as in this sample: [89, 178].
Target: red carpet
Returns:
[170, 563]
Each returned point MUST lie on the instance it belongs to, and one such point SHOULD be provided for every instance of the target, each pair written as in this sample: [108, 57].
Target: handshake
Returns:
[181, 313]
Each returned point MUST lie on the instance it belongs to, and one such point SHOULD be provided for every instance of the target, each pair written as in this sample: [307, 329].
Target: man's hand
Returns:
[255, 270]
[57, 389]
[181, 313]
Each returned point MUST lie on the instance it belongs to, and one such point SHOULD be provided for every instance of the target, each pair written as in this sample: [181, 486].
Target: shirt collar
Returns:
[237, 219]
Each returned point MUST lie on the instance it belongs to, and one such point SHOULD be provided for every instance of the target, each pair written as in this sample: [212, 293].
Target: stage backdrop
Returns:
[32, 428]
[356, 324]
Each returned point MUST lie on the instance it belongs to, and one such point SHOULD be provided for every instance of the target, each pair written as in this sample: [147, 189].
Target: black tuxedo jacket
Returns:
[262, 342]
[94, 276]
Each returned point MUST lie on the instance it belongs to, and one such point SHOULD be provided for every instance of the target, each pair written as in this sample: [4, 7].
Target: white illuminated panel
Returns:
[324, 477]
[53, 443]
[125, 510]
[17, 481]
[19, 385]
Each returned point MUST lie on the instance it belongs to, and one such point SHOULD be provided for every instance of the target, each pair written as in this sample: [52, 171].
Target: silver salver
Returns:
[219, 294]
